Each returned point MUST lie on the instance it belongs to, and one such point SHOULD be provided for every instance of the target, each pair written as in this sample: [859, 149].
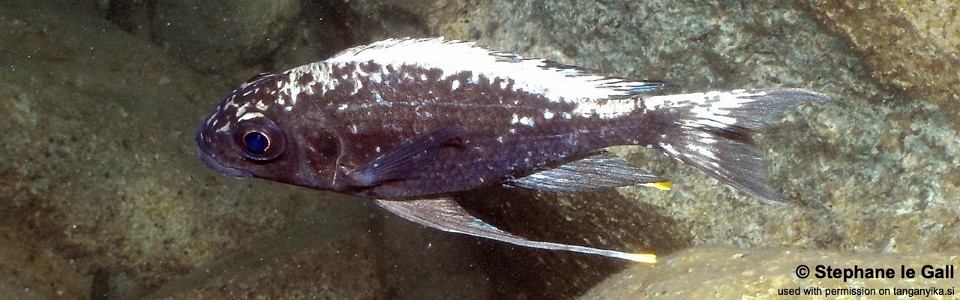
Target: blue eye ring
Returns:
[260, 140]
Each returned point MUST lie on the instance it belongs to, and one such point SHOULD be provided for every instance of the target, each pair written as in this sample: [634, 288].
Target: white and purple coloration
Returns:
[408, 121]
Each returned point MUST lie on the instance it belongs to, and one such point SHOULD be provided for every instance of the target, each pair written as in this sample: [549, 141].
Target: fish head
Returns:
[254, 132]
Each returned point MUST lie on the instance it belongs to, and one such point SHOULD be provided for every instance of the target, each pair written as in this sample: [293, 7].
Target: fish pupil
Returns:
[256, 142]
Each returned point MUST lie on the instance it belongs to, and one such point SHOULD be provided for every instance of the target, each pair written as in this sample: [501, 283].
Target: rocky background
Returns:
[102, 197]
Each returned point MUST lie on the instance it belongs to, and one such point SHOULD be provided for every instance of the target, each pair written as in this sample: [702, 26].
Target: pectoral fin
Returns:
[406, 159]
[602, 170]
[445, 214]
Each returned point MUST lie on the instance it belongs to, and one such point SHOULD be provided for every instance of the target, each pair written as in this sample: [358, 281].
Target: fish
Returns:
[405, 122]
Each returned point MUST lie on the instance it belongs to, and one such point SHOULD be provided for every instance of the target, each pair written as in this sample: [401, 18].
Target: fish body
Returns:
[407, 121]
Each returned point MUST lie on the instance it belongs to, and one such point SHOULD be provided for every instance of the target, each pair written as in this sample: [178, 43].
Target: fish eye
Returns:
[260, 140]
[256, 142]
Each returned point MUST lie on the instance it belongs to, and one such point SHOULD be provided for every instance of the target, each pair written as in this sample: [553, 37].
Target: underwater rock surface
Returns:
[220, 36]
[910, 46]
[100, 174]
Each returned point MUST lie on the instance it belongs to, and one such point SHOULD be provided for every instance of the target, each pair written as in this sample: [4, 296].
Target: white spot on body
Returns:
[526, 121]
[212, 119]
[455, 85]
[548, 115]
[230, 103]
[379, 100]
[376, 78]
[242, 109]
[291, 86]
[605, 109]
[250, 115]
[357, 85]
[716, 105]
[224, 128]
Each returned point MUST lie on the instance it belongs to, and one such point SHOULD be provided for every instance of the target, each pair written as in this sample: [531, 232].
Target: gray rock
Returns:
[30, 270]
[216, 35]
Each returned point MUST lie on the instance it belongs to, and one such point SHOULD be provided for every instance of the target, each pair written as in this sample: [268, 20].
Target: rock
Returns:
[909, 46]
[309, 261]
[99, 162]
[215, 35]
[30, 270]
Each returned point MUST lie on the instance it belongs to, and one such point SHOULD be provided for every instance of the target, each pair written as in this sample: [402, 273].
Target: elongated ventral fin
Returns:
[714, 128]
[445, 214]
[601, 170]
[406, 159]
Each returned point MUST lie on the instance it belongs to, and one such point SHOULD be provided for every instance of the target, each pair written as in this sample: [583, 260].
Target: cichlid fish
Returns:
[407, 121]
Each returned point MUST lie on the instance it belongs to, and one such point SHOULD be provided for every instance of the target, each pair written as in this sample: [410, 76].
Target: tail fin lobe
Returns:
[713, 132]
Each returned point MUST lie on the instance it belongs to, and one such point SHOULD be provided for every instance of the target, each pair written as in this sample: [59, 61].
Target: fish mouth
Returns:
[212, 163]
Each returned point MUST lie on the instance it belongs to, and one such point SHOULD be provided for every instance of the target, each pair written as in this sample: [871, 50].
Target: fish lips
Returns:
[213, 163]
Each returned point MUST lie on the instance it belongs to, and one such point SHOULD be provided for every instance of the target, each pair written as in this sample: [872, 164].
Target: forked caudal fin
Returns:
[713, 130]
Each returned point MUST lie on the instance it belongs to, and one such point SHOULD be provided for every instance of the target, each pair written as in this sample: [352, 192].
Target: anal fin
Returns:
[601, 170]
[445, 214]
